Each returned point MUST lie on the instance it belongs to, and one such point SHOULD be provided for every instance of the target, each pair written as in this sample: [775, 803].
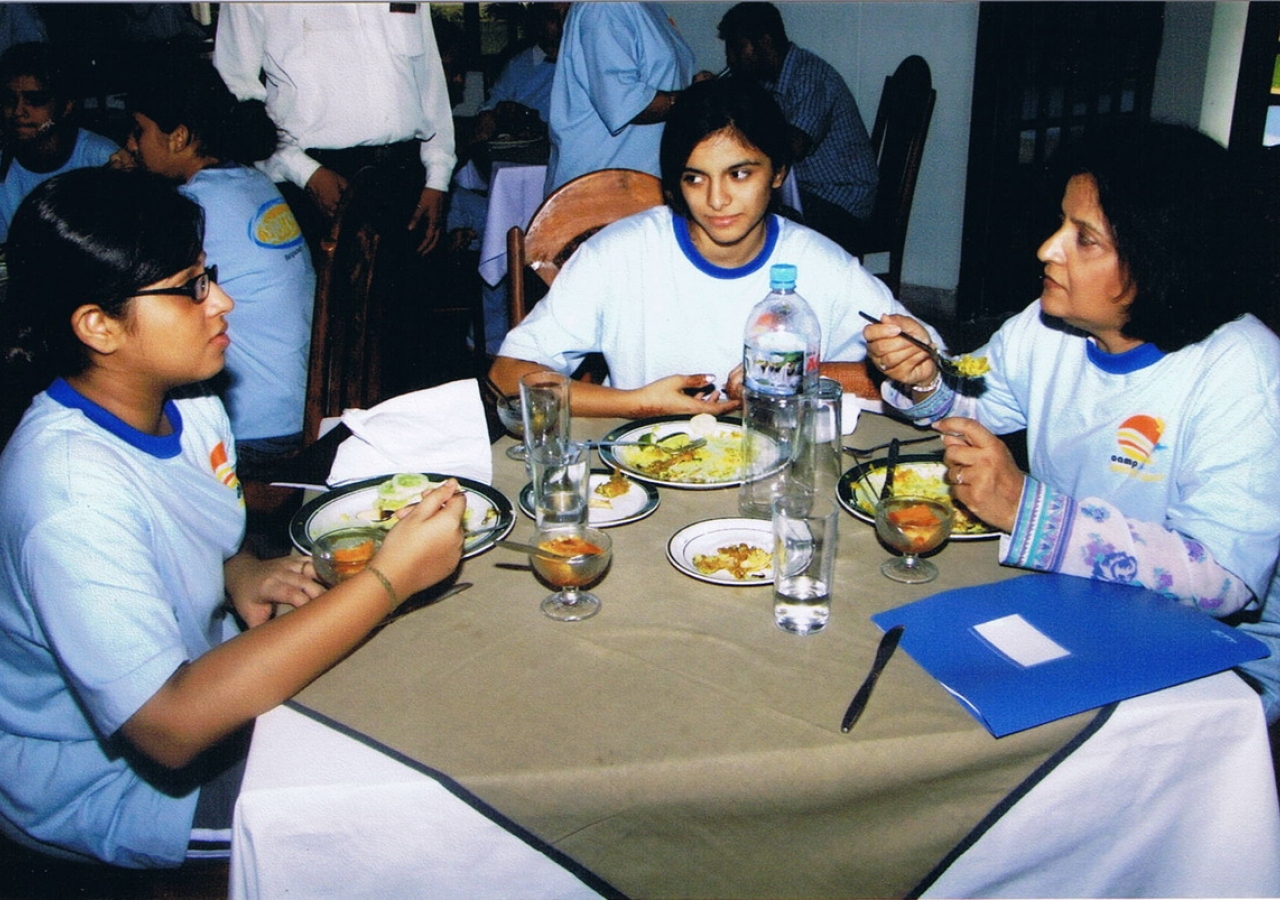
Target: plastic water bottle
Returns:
[780, 348]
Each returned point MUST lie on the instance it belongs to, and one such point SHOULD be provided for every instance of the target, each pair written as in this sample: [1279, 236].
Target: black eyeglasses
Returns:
[197, 288]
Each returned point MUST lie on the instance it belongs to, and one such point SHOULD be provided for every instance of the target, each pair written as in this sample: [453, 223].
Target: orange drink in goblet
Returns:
[912, 525]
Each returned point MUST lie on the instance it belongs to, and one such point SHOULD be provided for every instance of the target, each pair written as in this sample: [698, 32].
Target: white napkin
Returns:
[440, 429]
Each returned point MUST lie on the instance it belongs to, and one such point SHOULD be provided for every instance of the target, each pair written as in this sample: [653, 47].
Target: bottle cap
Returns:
[782, 277]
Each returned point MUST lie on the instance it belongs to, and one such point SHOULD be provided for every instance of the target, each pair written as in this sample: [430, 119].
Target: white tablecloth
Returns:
[515, 193]
[1173, 796]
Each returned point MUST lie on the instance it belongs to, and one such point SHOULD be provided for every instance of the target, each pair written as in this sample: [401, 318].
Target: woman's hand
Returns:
[667, 396]
[981, 471]
[255, 585]
[425, 545]
[897, 357]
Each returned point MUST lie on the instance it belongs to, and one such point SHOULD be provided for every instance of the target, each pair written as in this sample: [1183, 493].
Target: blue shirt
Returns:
[112, 543]
[265, 267]
[614, 57]
[90, 150]
[526, 80]
[841, 168]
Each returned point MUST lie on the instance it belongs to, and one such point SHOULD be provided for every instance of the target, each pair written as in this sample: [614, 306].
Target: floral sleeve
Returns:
[1091, 538]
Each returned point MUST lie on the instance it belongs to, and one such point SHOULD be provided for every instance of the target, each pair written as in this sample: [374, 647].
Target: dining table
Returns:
[679, 744]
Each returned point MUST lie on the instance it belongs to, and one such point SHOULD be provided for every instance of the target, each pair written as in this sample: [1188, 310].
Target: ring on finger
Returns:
[958, 477]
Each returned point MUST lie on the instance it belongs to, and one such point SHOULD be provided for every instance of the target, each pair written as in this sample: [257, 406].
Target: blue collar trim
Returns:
[161, 447]
[1124, 363]
[685, 242]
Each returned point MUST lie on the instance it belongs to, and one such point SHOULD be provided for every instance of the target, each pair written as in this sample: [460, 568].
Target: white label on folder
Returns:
[1021, 641]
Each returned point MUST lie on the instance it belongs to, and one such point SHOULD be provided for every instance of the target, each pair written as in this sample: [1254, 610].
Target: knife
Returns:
[888, 644]
[887, 491]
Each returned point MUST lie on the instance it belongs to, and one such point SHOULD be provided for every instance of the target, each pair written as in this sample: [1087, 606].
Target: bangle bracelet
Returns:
[386, 585]
[928, 388]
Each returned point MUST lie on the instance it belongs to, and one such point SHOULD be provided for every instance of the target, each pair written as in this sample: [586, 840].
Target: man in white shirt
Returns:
[350, 85]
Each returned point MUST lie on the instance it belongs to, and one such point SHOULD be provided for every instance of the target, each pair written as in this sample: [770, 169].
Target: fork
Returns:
[684, 448]
[945, 364]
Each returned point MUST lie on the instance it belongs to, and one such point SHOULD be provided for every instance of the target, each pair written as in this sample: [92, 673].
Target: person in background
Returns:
[189, 129]
[126, 683]
[520, 102]
[40, 135]
[621, 69]
[1150, 397]
[665, 294]
[350, 85]
[834, 164]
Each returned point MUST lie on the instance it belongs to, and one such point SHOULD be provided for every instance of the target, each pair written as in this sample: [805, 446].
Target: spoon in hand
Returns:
[946, 365]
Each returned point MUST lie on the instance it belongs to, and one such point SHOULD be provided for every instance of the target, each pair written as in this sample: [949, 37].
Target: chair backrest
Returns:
[345, 366]
[568, 217]
[902, 124]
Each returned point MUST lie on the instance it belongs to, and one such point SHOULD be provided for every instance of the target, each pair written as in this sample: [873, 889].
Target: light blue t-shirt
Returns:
[525, 80]
[264, 265]
[112, 544]
[613, 58]
[90, 150]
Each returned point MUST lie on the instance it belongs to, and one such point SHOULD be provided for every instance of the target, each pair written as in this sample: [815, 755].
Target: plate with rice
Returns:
[659, 460]
[923, 475]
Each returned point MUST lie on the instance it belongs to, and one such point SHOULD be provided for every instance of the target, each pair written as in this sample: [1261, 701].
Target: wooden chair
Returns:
[902, 124]
[345, 368]
[568, 217]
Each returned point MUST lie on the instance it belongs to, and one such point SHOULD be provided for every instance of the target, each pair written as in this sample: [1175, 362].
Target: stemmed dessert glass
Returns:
[512, 418]
[570, 559]
[912, 525]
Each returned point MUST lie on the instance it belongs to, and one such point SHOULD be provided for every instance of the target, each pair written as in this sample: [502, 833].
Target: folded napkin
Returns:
[440, 429]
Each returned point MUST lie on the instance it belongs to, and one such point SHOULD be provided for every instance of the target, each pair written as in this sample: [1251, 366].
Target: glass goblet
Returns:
[574, 558]
[512, 418]
[912, 525]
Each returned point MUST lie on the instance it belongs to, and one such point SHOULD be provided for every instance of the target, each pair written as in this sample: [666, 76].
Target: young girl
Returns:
[665, 294]
[189, 129]
[122, 671]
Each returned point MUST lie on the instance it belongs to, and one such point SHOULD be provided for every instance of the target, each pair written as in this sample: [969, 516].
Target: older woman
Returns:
[1150, 399]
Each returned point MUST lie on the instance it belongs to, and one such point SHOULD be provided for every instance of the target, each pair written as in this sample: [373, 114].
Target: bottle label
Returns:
[773, 371]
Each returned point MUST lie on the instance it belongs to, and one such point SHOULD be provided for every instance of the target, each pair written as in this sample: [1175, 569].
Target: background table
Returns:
[679, 745]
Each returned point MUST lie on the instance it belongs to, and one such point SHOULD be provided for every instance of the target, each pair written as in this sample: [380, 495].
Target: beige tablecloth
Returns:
[678, 744]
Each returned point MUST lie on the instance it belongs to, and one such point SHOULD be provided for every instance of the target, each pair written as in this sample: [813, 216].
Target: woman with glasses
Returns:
[136, 643]
[189, 129]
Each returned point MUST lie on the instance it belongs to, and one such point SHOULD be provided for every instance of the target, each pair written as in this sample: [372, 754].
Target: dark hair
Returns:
[753, 21]
[175, 89]
[89, 236]
[1177, 212]
[41, 61]
[734, 104]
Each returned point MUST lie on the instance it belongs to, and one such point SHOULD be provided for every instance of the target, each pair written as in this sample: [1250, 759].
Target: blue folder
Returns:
[1026, 651]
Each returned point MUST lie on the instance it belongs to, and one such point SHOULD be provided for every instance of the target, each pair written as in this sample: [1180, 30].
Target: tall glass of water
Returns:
[544, 406]
[804, 553]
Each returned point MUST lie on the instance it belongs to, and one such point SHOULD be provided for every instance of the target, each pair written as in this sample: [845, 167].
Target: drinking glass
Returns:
[574, 557]
[912, 525]
[805, 535]
[561, 484]
[342, 554]
[511, 415]
[544, 405]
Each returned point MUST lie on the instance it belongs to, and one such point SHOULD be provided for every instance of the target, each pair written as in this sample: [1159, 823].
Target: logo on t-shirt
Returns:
[275, 227]
[1138, 439]
[220, 463]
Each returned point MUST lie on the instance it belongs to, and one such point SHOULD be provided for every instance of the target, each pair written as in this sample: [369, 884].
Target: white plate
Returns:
[640, 501]
[707, 537]
[659, 427]
[342, 507]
